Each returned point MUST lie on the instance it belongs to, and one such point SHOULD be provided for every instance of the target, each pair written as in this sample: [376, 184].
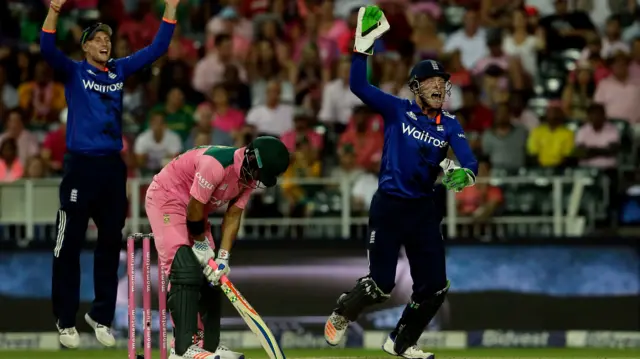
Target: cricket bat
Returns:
[250, 316]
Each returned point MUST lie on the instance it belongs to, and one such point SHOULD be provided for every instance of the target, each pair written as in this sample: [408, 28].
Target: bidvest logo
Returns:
[92, 85]
[423, 136]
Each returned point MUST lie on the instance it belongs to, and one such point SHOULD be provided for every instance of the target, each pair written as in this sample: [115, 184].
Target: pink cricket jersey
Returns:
[210, 174]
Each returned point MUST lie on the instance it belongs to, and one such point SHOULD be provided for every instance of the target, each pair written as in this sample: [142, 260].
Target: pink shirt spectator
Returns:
[199, 174]
[587, 136]
[336, 31]
[230, 120]
[634, 72]
[327, 48]
[620, 99]
[27, 145]
[11, 173]
[289, 139]
[485, 62]
[209, 71]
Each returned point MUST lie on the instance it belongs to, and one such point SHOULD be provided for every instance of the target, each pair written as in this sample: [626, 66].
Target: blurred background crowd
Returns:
[541, 87]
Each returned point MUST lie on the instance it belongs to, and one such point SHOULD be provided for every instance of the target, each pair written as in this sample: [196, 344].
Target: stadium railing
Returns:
[547, 206]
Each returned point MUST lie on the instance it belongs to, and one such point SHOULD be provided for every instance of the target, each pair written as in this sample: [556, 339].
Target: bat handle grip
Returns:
[214, 265]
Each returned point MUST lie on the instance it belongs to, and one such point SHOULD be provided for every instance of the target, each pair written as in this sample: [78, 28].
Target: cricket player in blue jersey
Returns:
[94, 179]
[417, 136]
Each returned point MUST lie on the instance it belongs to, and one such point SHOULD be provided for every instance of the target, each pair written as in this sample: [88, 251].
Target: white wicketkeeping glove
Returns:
[214, 275]
[203, 252]
[371, 25]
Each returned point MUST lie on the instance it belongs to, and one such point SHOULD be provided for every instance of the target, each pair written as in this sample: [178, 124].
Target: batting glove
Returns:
[371, 25]
[455, 177]
[203, 252]
[214, 275]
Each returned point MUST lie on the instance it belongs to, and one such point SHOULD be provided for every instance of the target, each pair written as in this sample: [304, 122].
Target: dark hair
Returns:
[8, 142]
[220, 38]
[596, 107]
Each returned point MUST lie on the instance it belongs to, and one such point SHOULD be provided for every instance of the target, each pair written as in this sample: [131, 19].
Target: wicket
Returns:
[146, 298]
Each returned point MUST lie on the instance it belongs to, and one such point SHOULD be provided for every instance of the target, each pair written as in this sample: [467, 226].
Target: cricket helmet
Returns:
[91, 31]
[426, 69]
[265, 159]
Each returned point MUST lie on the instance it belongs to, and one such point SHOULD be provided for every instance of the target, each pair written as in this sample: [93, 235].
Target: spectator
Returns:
[239, 29]
[11, 168]
[178, 115]
[42, 98]
[505, 144]
[140, 27]
[634, 66]
[566, 29]
[617, 93]
[270, 30]
[578, 92]
[8, 94]
[598, 141]
[182, 48]
[238, 92]
[365, 140]
[551, 144]
[520, 114]
[481, 201]
[305, 164]
[302, 129]
[210, 69]
[524, 44]
[494, 58]
[264, 67]
[632, 32]
[592, 54]
[55, 145]
[479, 116]
[426, 41]
[395, 75]
[470, 40]
[365, 186]
[309, 76]
[328, 49]
[612, 41]
[347, 168]
[329, 26]
[338, 101]
[35, 168]
[225, 120]
[156, 146]
[272, 118]
[177, 74]
[26, 142]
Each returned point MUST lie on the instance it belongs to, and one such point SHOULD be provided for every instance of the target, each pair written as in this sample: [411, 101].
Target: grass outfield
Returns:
[360, 353]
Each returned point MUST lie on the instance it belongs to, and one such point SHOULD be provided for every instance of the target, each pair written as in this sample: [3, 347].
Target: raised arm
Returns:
[461, 148]
[48, 49]
[158, 47]
[372, 96]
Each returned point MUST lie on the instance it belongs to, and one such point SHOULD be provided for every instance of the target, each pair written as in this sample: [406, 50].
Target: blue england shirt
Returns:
[94, 96]
[414, 144]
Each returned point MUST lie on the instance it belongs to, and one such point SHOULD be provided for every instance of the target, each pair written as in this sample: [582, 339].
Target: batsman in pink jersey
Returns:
[178, 203]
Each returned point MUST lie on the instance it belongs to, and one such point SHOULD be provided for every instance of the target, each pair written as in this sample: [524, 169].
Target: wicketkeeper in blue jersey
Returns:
[94, 179]
[417, 136]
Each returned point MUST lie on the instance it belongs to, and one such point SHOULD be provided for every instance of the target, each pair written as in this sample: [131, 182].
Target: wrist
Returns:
[223, 254]
[54, 9]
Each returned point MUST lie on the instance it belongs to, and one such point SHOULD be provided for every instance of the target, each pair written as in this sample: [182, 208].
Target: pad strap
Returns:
[364, 294]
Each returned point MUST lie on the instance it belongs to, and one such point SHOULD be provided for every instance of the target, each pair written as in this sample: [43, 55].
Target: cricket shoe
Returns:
[194, 352]
[226, 353]
[335, 328]
[103, 333]
[413, 352]
[69, 337]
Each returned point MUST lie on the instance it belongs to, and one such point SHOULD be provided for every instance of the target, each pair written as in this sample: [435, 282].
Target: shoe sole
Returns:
[397, 355]
[68, 346]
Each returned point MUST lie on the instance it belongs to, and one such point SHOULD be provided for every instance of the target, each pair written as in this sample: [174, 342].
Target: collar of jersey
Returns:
[417, 110]
[93, 67]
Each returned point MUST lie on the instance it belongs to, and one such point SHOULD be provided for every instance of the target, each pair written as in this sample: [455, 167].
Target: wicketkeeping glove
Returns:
[203, 252]
[371, 25]
[214, 275]
[455, 177]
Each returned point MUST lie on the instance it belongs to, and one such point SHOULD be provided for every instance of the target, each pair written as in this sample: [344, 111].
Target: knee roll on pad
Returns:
[185, 278]
[415, 317]
[364, 294]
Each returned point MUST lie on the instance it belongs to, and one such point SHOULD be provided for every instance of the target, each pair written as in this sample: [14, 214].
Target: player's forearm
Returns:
[195, 219]
[51, 21]
[230, 228]
[170, 13]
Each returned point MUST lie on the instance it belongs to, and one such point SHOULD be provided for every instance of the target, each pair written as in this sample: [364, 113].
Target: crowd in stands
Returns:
[550, 84]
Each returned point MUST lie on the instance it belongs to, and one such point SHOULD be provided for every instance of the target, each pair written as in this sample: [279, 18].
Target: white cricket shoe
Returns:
[69, 337]
[335, 328]
[194, 352]
[226, 353]
[412, 352]
[103, 333]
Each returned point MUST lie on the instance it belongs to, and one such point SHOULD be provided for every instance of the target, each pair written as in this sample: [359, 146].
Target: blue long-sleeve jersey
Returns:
[414, 144]
[94, 96]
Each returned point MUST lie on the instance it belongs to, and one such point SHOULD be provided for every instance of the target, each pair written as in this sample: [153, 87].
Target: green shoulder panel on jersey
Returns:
[224, 154]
